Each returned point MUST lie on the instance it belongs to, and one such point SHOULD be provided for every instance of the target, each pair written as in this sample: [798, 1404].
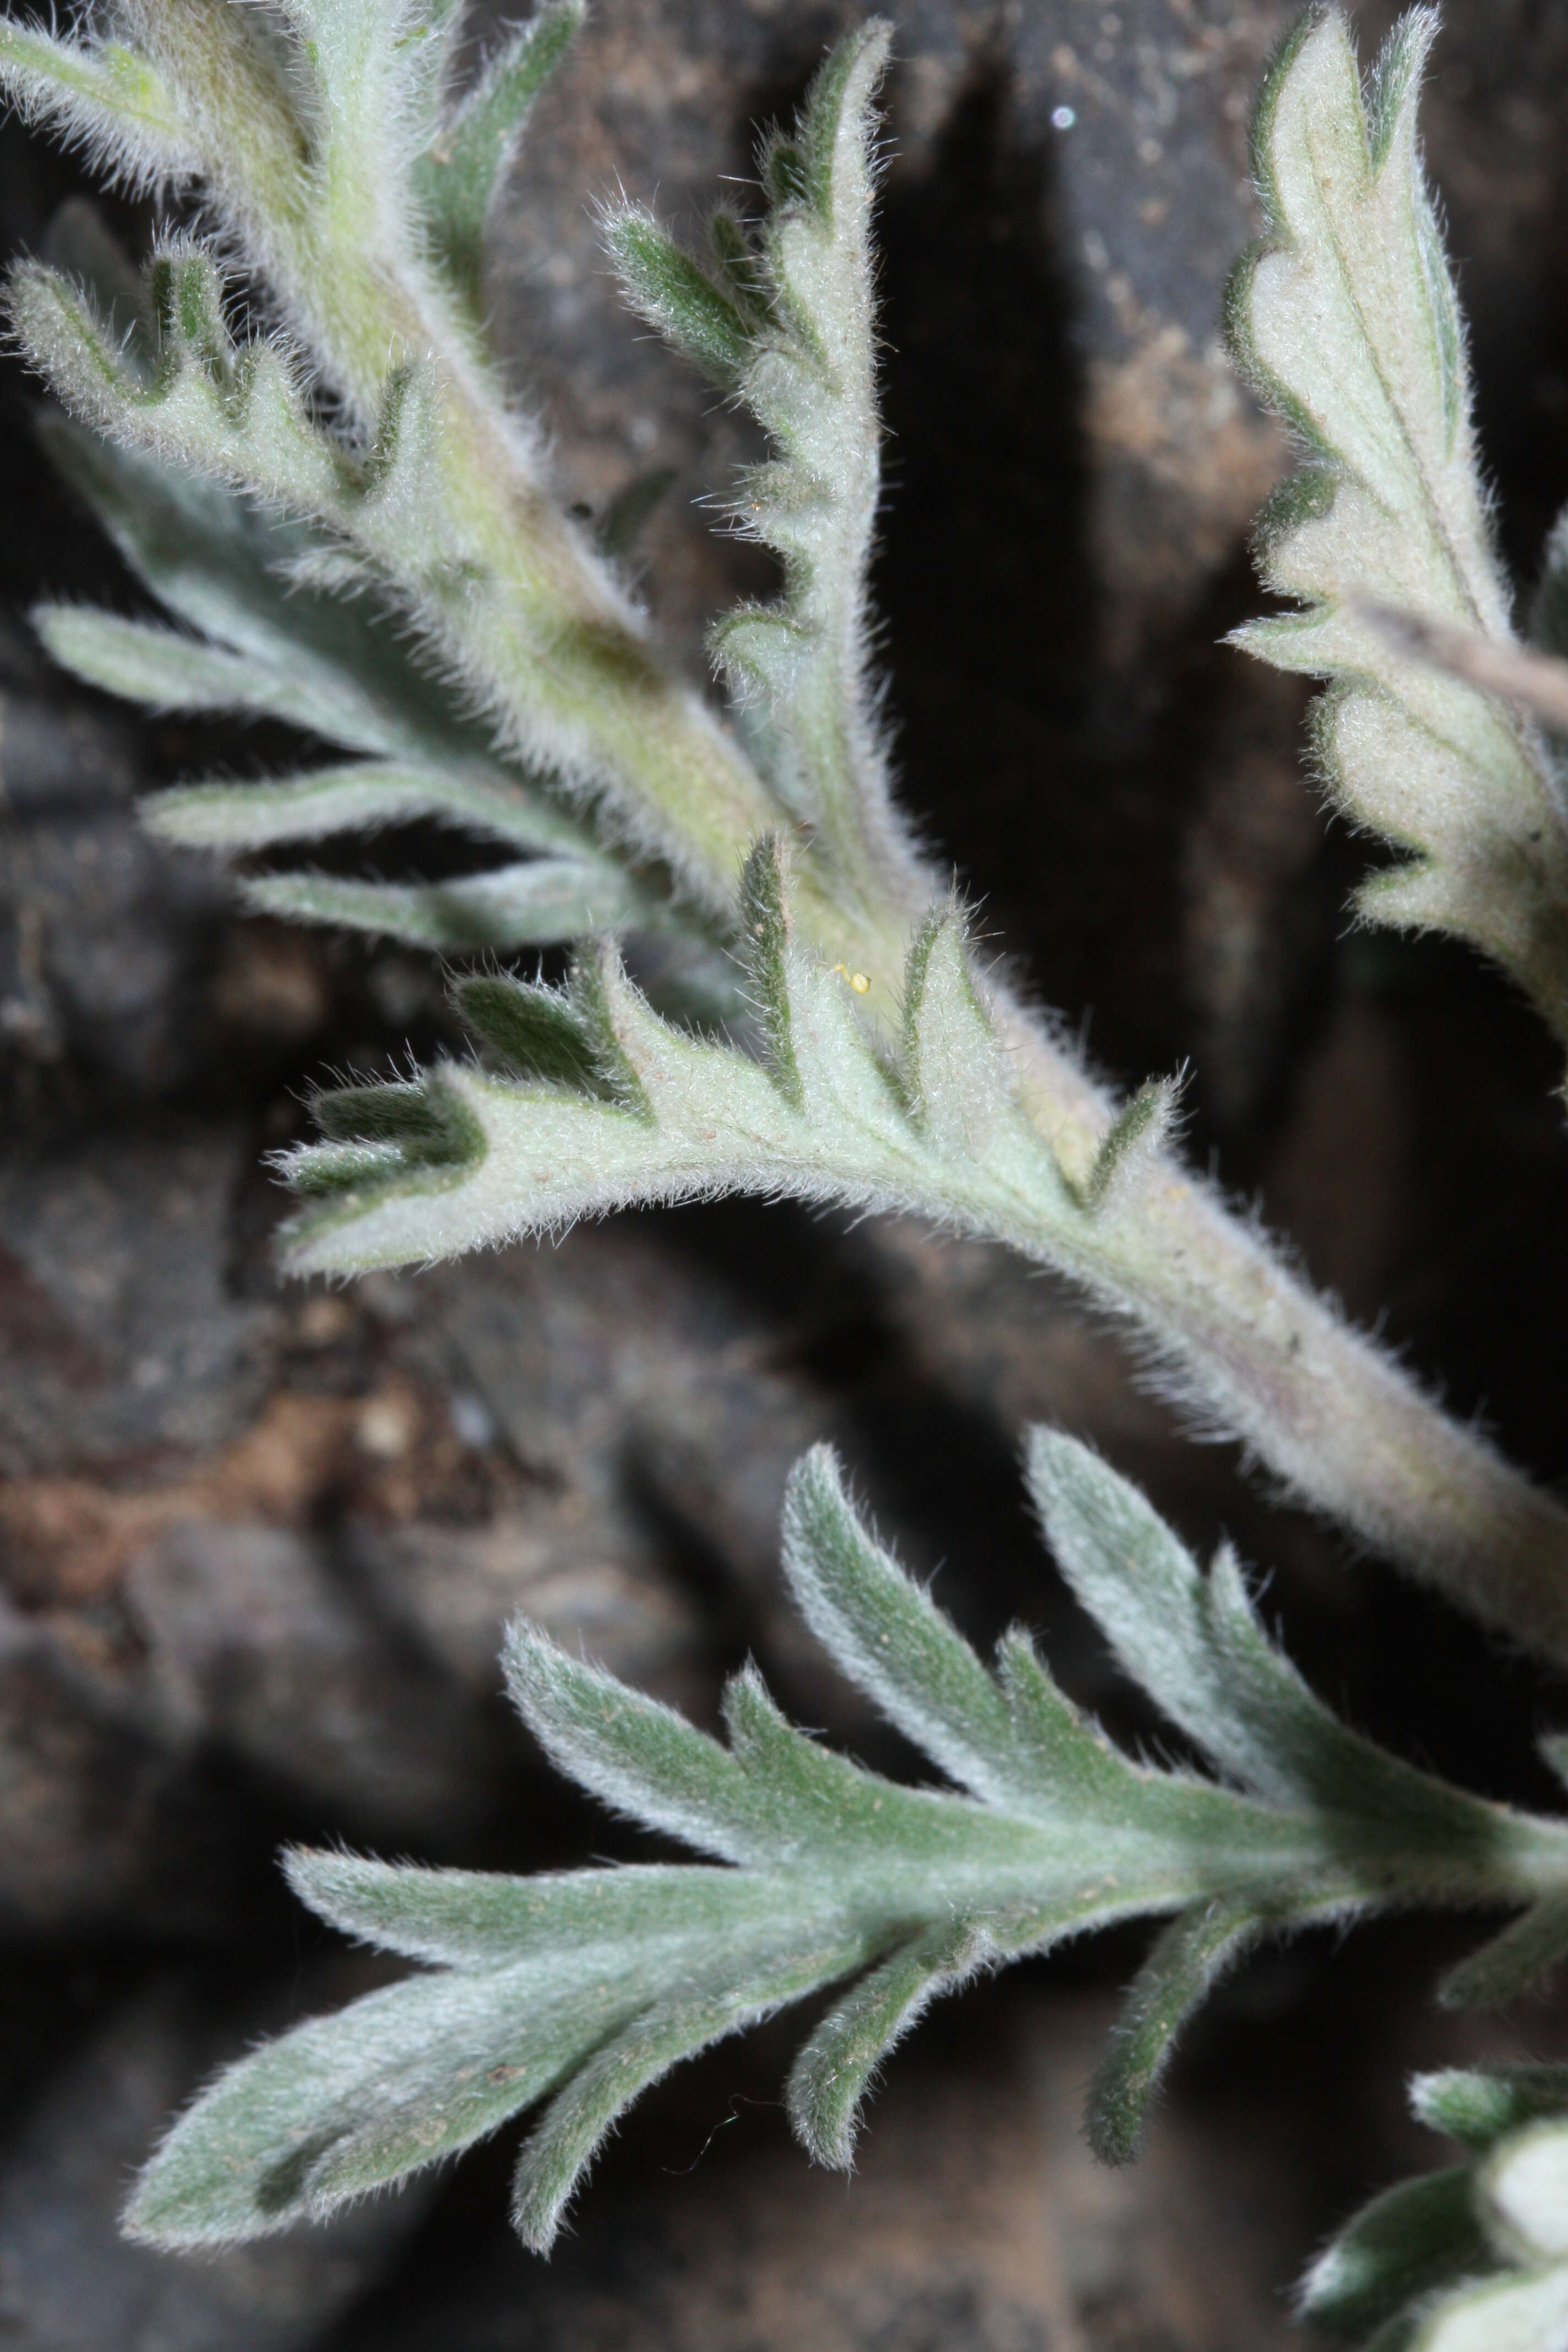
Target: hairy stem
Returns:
[535, 625]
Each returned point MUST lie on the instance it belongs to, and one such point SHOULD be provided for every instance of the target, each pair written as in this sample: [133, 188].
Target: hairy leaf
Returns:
[362, 797]
[432, 510]
[1514, 1961]
[833, 2074]
[1346, 322]
[786, 318]
[535, 903]
[1420, 2235]
[100, 95]
[1195, 1644]
[822, 1118]
[589, 1985]
[272, 647]
[1187, 1961]
[1479, 2104]
[460, 175]
[236, 415]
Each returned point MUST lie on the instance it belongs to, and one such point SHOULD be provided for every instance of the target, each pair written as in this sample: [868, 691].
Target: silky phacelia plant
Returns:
[825, 1032]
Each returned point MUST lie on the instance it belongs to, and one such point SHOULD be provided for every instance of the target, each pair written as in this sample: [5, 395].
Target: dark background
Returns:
[257, 1544]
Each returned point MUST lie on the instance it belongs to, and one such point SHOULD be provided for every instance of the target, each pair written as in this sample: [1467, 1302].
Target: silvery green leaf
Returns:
[823, 1119]
[390, 2085]
[589, 1985]
[1137, 1135]
[678, 297]
[222, 566]
[559, 2151]
[142, 662]
[1194, 1644]
[830, 2078]
[431, 495]
[635, 1753]
[102, 94]
[890, 1638]
[458, 177]
[369, 75]
[1477, 2104]
[235, 415]
[360, 798]
[1188, 1958]
[282, 650]
[1514, 1962]
[803, 666]
[1192, 1641]
[470, 1919]
[1422, 2234]
[786, 318]
[535, 1033]
[537, 903]
[1346, 321]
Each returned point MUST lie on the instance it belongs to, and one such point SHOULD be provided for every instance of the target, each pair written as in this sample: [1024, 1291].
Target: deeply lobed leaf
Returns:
[584, 1987]
[821, 1118]
[784, 317]
[1346, 321]
[432, 501]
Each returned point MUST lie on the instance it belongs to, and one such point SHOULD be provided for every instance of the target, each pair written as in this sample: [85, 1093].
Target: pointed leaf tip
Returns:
[632, 1752]
[460, 176]
[1413, 2238]
[673, 293]
[1477, 2105]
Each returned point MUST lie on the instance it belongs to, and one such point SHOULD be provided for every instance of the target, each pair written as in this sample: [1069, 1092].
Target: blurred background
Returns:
[258, 1543]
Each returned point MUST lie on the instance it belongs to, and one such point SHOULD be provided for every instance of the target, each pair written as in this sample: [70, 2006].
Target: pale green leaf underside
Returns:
[361, 798]
[1346, 322]
[783, 316]
[273, 647]
[820, 1117]
[583, 1987]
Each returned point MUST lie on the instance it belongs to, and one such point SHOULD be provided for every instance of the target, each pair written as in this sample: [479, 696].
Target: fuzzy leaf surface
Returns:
[100, 94]
[785, 316]
[821, 1118]
[458, 177]
[429, 497]
[1346, 322]
[582, 1988]
[271, 645]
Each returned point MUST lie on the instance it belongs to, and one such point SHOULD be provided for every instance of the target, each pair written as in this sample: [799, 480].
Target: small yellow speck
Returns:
[859, 983]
